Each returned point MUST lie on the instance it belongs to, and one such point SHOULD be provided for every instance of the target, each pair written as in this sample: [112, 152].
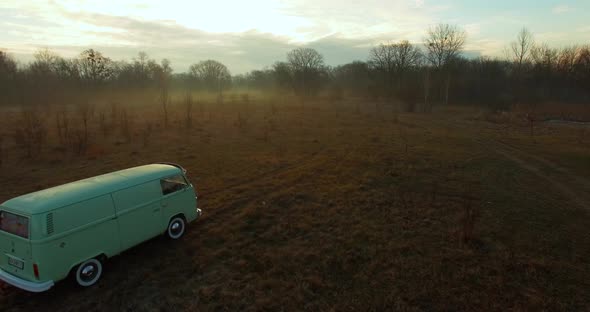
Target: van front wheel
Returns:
[176, 228]
[89, 272]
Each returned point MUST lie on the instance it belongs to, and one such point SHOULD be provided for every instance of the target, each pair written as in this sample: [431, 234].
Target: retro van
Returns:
[71, 229]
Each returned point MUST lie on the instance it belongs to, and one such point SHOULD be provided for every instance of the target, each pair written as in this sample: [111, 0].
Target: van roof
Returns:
[73, 192]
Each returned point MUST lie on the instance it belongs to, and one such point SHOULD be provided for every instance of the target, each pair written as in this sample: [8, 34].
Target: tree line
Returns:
[436, 71]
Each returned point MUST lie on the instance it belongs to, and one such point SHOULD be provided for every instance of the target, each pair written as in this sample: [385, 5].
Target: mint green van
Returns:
[71, 229]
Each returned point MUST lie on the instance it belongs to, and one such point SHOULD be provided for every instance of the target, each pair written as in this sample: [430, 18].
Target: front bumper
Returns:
[24, 284]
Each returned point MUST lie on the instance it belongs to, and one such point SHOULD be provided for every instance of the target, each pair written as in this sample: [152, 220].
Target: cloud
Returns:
[244, 35]
[560, 9]
[252, 34]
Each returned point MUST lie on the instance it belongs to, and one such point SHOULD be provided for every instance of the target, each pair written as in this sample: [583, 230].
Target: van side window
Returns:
[14, 224]
[173, 184]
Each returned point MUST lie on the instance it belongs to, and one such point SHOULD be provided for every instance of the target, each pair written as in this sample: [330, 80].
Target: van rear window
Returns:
[14, 224]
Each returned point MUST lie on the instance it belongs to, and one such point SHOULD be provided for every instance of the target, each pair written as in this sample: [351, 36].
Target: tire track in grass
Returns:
[261, 187]
[275, 180]
[556, 167]
[571, 185]
[270, 173]
[531, 164]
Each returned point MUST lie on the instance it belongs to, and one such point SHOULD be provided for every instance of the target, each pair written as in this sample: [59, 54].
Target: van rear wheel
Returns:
[89, 272]
[176, 228]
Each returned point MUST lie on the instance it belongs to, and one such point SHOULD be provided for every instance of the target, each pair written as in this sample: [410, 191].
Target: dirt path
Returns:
[576, 188]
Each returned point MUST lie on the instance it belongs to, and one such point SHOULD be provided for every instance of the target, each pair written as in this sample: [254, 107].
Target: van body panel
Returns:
[74, 222]
[183, 201]
[138, 213]
[81, 231]
[16, 256]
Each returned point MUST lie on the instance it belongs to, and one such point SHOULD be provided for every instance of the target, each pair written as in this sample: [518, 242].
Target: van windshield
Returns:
[173, 184]
[14, 224]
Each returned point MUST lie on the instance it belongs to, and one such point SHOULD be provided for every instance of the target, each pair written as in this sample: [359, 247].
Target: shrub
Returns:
[31, 134]
[63, 126]
[126, 125]
[188, 109]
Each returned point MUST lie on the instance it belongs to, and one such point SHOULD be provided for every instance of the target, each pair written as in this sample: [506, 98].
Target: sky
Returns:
[253, 34]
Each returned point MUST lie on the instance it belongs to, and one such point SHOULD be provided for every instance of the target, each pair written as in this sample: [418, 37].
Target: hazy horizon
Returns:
[253, 35]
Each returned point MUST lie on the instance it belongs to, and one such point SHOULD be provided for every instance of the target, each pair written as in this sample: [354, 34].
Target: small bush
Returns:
[147, 133]
[102, 122]
[241, 122]
[1, 154]
[114, 111]
[245, 98]
[126, 125]
[85, 113]
[79, 140]
[188, 109]
[63, 126]
[468, 221]
[31, 134]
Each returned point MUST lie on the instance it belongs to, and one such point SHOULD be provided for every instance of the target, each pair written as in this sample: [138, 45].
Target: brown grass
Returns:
[330, 208]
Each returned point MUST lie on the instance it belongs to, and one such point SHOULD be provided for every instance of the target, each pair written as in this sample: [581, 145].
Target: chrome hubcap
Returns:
[88, 272]
[176, 228]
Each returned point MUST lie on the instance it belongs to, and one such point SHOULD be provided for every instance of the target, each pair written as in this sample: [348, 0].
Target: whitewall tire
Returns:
[176, 228]
[89, 272]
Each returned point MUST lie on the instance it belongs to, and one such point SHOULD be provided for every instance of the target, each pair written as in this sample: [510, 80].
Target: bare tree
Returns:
[8, 74]
[520, 53]
[381, 58]
[544, 71]
[282, 75]
[141, 61]
[443, 44]
[7, 64]
[162, 75]
[94, 67]
[544, 57]
[354, 77]
[306, 65]
[46, 62]
[43, 73]
[567, 59]
[213, 74]
[394, 60]
[521, 48]
[166, 68]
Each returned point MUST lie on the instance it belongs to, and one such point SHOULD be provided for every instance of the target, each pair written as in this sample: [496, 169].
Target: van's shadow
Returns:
[141, 274]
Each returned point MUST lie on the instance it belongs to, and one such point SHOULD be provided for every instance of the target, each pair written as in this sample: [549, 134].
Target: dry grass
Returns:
[331, 208]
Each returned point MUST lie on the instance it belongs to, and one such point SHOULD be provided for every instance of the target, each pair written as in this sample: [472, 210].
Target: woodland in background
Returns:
[415, 76]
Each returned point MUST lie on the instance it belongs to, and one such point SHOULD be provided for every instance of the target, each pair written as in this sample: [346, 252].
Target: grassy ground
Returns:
[327, 208]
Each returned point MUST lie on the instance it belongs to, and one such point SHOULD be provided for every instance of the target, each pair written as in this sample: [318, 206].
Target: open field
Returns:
[331, 205]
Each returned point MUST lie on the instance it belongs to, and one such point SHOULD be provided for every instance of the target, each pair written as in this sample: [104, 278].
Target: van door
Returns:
[178, 197]
[138, 213]
[15, 246]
